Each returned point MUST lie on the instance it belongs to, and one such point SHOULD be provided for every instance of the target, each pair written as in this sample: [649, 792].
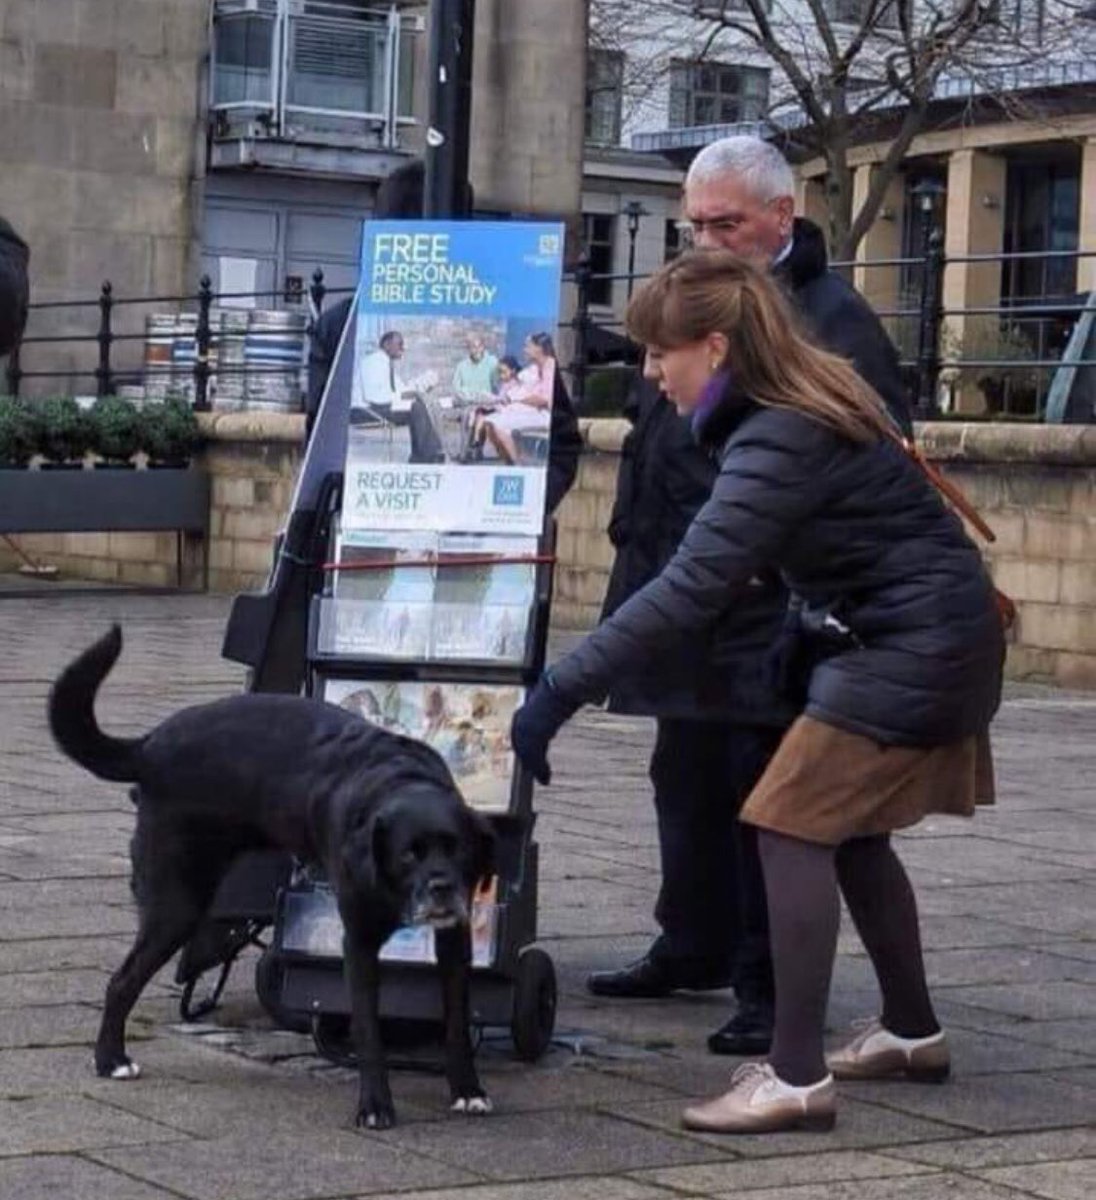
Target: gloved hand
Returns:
[535, 724]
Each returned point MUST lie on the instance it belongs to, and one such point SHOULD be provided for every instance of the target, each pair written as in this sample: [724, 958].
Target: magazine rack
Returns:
[283, 634]
[300, 979]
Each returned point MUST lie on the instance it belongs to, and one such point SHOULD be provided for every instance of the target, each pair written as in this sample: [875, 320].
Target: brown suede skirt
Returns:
[826, 785]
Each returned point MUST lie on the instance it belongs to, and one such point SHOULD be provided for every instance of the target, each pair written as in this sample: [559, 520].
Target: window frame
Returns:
[685, 92]
[600, 290]
[886, 19]
[612, 87]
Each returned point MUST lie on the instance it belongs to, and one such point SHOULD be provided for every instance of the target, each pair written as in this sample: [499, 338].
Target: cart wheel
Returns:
[268, 988]
[534, 1016]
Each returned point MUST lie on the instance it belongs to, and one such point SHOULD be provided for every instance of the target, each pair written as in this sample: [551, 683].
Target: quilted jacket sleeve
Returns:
[772, 479]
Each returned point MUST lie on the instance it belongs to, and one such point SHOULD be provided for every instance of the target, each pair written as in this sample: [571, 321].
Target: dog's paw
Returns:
[127, 1069]
[379, 1117]
[472, 1106]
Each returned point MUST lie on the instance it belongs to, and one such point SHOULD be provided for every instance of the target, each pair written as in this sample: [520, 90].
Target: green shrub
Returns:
[18, 432]
[606, 391]
[117, 430]
[64, 430]
[169, 432]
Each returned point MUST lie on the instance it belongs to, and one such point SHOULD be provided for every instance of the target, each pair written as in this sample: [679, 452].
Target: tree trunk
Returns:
[839, 205]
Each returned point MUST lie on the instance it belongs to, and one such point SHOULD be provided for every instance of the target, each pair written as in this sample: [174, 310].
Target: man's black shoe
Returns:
[650, 977]
[748, 1032]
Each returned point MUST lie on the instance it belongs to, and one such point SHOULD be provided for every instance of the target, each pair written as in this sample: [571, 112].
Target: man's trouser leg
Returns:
[753, 964]
[425, 423]
[697, 904]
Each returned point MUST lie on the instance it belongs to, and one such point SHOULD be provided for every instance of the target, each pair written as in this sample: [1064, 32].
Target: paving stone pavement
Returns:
[236, 1110]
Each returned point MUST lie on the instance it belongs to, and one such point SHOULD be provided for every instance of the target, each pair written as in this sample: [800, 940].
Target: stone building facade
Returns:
[100, 149]
[150, 141]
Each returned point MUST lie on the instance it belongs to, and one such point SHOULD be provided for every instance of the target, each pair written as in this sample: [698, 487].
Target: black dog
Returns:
[379, 812]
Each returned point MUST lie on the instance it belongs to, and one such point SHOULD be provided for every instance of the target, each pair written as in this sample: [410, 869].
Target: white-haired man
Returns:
[740, 196]
[715, 738]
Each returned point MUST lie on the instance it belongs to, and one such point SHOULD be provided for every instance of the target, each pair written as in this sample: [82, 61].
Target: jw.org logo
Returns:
[548, 245]
[509, 490]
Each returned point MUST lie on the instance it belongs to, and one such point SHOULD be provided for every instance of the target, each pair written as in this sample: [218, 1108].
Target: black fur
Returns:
[379, 812]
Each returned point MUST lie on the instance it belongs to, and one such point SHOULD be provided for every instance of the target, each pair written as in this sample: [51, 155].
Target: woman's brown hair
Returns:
[769, 355]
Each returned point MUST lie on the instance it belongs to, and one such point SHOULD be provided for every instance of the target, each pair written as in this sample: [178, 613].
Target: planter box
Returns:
[97, 501]
[86, 501]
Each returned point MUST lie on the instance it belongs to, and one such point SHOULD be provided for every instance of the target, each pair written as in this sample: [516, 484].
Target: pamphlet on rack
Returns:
[435, 597]
[415, 943]
[468, 724]
[313, 927]
[453, 377]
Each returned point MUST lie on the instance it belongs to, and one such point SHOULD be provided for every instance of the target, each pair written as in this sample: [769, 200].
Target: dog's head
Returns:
[426, 850]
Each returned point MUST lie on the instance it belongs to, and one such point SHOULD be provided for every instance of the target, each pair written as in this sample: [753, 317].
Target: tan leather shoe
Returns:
[876, 1053]
[761, 1102]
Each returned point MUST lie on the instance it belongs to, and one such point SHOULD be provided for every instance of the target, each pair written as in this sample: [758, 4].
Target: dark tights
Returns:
[801, 882]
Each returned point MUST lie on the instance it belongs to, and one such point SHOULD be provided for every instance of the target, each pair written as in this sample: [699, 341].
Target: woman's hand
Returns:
[534, 725]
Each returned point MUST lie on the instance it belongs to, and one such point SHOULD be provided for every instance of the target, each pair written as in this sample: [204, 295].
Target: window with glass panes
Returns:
[599, 234]
[604, 96]
[855, 12]
[710, 93]
[243, 57]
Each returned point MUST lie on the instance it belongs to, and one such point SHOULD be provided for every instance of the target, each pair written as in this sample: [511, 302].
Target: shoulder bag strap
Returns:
[1006, 606]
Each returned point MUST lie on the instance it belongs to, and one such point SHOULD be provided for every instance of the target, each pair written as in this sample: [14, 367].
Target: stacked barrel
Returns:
[256, 358]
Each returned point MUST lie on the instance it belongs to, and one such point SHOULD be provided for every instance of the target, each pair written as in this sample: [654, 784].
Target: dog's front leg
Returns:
[363, 978]
[454, 952]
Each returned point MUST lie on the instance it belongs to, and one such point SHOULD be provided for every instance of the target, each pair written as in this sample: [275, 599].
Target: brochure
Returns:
[313, 926]
[430, 597]
[453, 376]
[468, 724]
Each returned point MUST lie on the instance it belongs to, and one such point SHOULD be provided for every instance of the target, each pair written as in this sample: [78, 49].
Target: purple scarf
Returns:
[714, 391]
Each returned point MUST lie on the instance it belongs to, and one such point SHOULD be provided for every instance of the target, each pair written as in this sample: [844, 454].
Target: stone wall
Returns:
[99, 105]
[583, 547]
[1035, 485]
[1036, 488]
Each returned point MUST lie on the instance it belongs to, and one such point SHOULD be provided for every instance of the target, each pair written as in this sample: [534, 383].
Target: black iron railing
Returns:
[1010, 349]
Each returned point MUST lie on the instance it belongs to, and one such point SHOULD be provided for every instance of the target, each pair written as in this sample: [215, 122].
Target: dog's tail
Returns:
[72, 714]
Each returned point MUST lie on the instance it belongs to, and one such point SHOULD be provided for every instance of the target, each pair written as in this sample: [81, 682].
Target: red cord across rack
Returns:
[485, 560]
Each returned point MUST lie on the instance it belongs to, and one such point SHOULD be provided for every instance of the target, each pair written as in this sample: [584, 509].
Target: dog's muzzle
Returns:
[440, 904]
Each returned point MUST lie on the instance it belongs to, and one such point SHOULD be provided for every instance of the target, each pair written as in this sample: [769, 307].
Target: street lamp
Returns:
[927, 195]
[633, 210]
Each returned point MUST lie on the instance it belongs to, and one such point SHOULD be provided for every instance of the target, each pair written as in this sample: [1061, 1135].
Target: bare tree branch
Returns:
[845, 68]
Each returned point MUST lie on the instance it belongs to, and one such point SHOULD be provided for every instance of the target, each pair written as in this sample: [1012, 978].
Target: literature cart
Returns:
[461, 705]
[427, 572]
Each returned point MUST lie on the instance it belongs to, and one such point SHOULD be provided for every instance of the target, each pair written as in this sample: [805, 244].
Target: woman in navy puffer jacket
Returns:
[904, 650]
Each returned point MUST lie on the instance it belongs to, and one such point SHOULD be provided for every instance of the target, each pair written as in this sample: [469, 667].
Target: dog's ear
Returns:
[379, 849]
[365, 848]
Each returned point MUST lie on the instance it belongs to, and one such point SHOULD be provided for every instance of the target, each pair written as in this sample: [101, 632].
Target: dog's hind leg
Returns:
[174, 879]
[454, 952]
[164, 930]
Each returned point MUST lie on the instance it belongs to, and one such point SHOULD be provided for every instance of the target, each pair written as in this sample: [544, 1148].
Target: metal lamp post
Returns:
[448, 128]
[927, 195]
[634, 211]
